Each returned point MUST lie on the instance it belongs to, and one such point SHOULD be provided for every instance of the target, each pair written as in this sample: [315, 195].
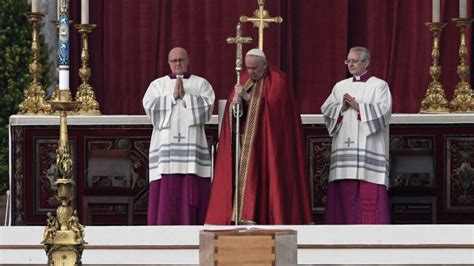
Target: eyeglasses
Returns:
[179, 60]
[353, 61]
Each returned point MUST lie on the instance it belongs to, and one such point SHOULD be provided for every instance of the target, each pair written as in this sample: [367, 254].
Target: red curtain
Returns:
[130, 45]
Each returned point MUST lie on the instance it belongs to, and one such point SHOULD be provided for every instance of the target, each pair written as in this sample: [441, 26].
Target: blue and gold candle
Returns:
[63, 45]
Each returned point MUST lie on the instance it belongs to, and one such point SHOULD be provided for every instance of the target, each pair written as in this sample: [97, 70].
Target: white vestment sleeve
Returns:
[158, 107]
[331, 110]
[199, 107]
[376, 116]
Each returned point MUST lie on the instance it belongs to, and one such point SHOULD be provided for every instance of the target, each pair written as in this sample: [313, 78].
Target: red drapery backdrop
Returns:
[130, 45]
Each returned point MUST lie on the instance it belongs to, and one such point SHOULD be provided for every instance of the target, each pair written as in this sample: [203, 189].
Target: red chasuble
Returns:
[274, 186]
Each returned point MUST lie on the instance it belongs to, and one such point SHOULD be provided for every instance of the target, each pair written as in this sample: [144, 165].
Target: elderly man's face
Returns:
[255, 66]
[355, 65]
[178, 61]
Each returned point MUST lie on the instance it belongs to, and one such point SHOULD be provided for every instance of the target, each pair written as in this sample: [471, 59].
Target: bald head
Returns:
[178, 60]
[178, 51]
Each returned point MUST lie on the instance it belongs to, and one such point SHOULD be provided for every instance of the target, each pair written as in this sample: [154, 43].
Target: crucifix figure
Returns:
[179, 137]
[349, 142]
[260, 20]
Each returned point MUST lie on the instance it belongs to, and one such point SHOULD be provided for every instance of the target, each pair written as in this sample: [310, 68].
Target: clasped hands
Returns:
[349, 102]
[239, 93]
[178, 92]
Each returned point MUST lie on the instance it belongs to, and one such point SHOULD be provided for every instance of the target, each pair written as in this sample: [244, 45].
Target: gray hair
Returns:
[365, 54]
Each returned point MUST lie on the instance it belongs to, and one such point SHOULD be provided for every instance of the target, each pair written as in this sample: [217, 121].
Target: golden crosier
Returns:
[238, 40]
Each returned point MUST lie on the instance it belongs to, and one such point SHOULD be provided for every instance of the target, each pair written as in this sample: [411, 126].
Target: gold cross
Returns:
[260, 20]
[238, 40]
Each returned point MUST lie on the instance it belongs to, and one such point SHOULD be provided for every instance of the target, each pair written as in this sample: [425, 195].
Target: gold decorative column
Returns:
[63, 236]
[462, 99]
[34, 102]
[85, 92]
[435, 97]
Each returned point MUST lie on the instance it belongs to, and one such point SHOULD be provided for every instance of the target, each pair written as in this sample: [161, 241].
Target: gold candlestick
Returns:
[34, 102]
[85, 92]
[55, 94]
[462, 99]
[63, 236]
[435, 97]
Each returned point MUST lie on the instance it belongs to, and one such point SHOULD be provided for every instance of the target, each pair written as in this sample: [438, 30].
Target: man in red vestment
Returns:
[273, 184]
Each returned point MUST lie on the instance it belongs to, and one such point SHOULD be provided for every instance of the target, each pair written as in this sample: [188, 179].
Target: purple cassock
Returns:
[356, 202]
[178, 199]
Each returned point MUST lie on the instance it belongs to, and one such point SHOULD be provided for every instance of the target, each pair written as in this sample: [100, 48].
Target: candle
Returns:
[462, 9]
[63, 46]
[64, 78]
[58, 5]
[435, 13]
[34, 6]
[84, 11]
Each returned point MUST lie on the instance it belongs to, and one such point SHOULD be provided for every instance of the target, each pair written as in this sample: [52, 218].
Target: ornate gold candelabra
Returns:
[55, 94]
[34, 102]
[435, 97]
[63, 236]
[85, 92]
[462, 99]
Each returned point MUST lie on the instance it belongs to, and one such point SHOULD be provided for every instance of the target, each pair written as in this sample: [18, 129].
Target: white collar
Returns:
[358, 77]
